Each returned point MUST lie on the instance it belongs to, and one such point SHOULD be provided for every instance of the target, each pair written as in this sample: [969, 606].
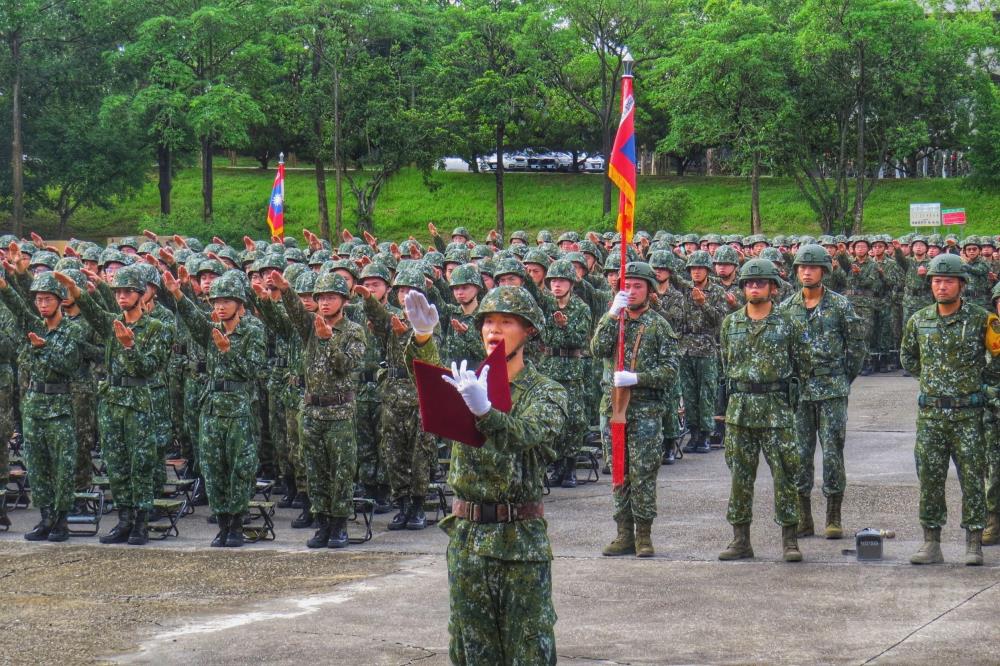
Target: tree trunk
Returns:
[338, 158]
[755, 222]
[166, 183]
[681, 167]
[207, 184]
[501, 130]
[321, 203]
[17, 149]
[859, 160]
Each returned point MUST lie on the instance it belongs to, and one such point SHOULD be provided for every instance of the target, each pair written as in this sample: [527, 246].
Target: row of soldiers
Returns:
[272, 400]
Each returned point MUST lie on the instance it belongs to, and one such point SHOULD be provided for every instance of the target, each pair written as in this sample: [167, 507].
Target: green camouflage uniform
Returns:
[161, 397]
[884, 342]
[125, 420]
[328, 445]
[948, 355]
[699, 369]
[978, 286]
[8, 389]
[837, 350]
[228, 433]
[47, 406]
[372, 466]
[761, 360]
[656, 364]
[862, 289]
[500, 574]
[562, 361]
[916, 287]
[670, 305]
[84, 391]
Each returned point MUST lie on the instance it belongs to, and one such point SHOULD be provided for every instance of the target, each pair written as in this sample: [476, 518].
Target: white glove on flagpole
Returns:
[471, 388]
[619, 304]
[625, 378]
[423, 316]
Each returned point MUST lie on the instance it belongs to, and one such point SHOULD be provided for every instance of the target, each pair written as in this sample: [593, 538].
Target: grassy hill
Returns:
[533, 201]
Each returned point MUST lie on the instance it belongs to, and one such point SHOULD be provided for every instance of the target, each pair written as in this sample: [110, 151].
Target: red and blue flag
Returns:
[621, 166]
[276, 208]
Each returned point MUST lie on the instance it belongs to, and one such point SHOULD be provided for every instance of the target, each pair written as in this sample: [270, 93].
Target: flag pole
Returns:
[620, 396]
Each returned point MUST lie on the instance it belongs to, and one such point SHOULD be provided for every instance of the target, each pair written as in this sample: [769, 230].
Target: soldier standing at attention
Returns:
[47, 406]
[944, 345]
[227, 431]
[763, 354]
[864, 281]
[499, 557]
[136, 354]
[837, 349]
[991, 423]
[651, 369]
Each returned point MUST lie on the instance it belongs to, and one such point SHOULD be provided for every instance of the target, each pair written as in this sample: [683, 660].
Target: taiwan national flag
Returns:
[621, 166]
[276, 209]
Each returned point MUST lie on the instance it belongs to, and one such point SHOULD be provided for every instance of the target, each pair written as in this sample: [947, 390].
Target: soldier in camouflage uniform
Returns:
[135, 356]
[334, 347]
[864, 281]
[47, 406]
[408, 450]
[651, 365]
[669, 304]
[991, 424]
[945, 346]
[763, 353]
[8, 399]
[704, 307]
[979, 282]
[565, 334]
[461, 340]
[884, 342]
[837, 350]
[916, 286]
[499, 557]
[228, 432]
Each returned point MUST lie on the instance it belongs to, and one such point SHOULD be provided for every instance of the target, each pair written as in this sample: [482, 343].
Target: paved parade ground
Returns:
[181, 602]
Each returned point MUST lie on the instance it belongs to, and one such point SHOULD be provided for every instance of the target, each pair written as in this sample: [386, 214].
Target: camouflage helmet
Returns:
[661, 259]
[319, 257]
[67, 263]
[614, 263]
[149, 274]
[576, 258]
[481, 252]
[213, 248]
[827, 240]
[486, 267]
[642, 271]
[918, 238]
[725, 254]
[44, 258]
[77, 276]
[509, 266]
[519, 251]
[404, 248]
[129, 277]
[411, 274]
[971, 240]
[508, 299]
[305, 282]
[195, 244]
[588, 246]
[149, 247]
[293, 271]
[519, 235]
[90, 253]
[947, 265]
[46, 283]
[207, 265]
[295, 255]
[434, 258]
[343, 265]
[129, 241]
[229, 253]
[377, 269]
[772, 254]
[758, 268]
[935, 240]
[345, 249]
[537, 257]
[699, 259]
[332, 283]
[461, 231]
[712, 239]
[561, 269]
[544, 236]
[457, 255]
[569, 237]
[466, 274]
[229, 285]
[813, 255]
[271, 261]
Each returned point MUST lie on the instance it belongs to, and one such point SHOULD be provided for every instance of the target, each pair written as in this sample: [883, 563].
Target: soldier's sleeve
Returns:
[857, 345]
[660, 369]
[680, 283]
[844, 261]
[532, 288]
[602, 345]
[106, 297]
[436, 297]
[21, 315]
[427, 352]
[346, 352]
[196, 321]
[100, 319]
[901, 259]
[60, 353]
[538, 424]
[275, 318]
[301, 320]
[149, 352]
[715, 307]
[445, 291]
[723, 348]
[909, 349]
[800, 352]
[21, 282]
[247, 358]
[439, 243]
[979, 269]
[379, 317]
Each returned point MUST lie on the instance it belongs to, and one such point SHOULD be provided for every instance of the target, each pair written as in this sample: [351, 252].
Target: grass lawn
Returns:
[533, 201]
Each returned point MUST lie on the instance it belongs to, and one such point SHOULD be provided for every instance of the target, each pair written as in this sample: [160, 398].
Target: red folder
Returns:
[442, 410]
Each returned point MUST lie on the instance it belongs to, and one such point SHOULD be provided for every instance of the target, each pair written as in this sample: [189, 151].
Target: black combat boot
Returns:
[139, 536]
[60, 527]
[305, 518]
[382, 503]
[234, 537]
[398, 521]
[558, 472]
[569, 473]
[290, 492]
[220, 539]
[322, 536]
[415, 519]
[866, 368]
[669, 451]
[718, 435]
[338, 533]
[4, 519]
[120, 532]
[703, 445]
[42, 529]
[301, 501]
[692, 444]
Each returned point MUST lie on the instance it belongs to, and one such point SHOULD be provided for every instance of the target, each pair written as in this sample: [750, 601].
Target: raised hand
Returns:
[178, 241]
[470, 387]
[371, 240]
[398, 327]
[346, 235]
[431, 228]
[221, 341]
[559, 318]
[730, 298]
[394, 251]
[422, 315]
[248, 244]
[183, 276]
[458, 326]
[124, 334]
[698, 296]
[71, 287]
[150, 235]
[70, 252]
[35, 341]
[218, 241]
[37, 240]
[323, 330]
[279, 281]
[361, 290]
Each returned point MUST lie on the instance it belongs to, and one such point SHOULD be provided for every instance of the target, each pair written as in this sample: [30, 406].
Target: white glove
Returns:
[423, 316]
[471, 388]
[625, 378]
[619, 304]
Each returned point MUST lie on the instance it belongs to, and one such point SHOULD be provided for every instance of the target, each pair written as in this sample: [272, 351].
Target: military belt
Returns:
[496, 513]
[48, 389]
[952, 401]
[859, 292]
[180, 350]
[562, 352]
[368, 377]
[226, 386]
[397, 373]
[826, 371]
[332, 400]
[754, 387]
[129, 382]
